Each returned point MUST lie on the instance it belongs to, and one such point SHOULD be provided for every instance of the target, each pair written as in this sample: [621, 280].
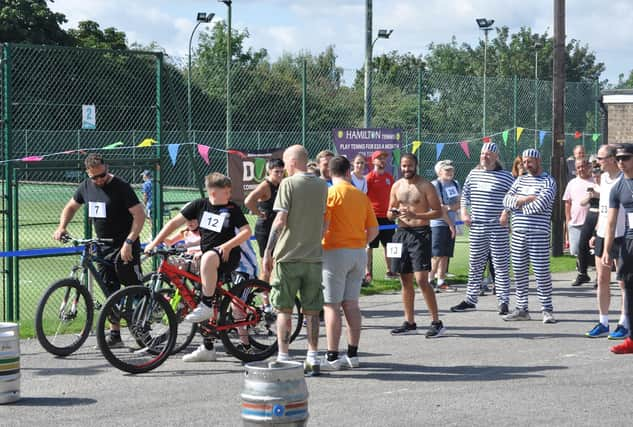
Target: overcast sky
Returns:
[294, 25]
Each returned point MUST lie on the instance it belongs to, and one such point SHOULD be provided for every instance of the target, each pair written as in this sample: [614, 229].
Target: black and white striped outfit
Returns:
[483, 194]
[531, 230]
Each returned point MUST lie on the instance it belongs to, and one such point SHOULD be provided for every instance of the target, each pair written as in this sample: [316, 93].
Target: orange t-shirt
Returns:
[349, 214]
[378, 189]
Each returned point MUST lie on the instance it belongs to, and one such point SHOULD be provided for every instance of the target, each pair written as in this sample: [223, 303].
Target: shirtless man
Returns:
[413, 202]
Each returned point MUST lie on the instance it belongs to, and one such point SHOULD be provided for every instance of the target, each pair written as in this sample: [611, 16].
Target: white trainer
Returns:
[199, 314]
[201, 354]
[333, 365]
[352, 362]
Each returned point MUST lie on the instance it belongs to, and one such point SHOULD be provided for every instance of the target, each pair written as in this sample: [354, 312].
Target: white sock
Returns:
[624, 321]
[283, 357]
[312, 356]
[604, 319]
[440, 282]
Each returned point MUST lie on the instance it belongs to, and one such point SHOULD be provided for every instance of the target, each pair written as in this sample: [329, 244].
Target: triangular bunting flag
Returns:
[505, 137]
[114, 145]
[541, 137]
[203, 150]
[173, 152]
[438, 150]
[486, 139]
[147, 142]
[32, 158]
[237, 153]
[519, 132]
[595, 137]
[577, 134]
[464, 145]
[416, 146]
[395, 158]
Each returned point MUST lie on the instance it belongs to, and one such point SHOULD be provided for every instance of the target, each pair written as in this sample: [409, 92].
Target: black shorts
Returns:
[384, 236]
[115, 272]
[262, 232]
[416, 250]
[442, 242]
[615, 248]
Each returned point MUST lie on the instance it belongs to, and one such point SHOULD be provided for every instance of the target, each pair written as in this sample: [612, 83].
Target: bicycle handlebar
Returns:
[67, 238]
[168, 251]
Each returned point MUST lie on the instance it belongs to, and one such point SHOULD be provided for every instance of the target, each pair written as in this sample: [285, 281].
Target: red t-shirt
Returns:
[378, 189]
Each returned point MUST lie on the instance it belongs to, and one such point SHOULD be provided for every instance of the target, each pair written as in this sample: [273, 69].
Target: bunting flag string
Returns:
[519, 132]
[465, 148]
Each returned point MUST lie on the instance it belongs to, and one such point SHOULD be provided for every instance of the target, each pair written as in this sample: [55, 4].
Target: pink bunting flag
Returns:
[203, 150]
[32, 158]
[464, 145]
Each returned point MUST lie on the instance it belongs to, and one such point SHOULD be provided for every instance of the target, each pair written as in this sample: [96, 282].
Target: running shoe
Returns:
[517, 314]
[201, 354]
[311, 368]
[199, 314]
[464, 306]
[620, 333]
[406, 329]
[548, 317]
[598, 331]
[625, 348]
[436, 329]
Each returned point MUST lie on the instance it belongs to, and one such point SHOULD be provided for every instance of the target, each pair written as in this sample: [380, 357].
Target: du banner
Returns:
[247, 170]
[349, 142]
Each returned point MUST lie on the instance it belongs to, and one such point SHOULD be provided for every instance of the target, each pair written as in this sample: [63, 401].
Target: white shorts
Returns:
[343, 271]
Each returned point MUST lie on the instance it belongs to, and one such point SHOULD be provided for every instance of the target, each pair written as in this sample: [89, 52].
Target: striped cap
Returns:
[489, 146]
[531, 152]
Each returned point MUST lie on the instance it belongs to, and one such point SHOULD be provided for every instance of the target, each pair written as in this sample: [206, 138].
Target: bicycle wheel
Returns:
[147, 327]
[185, 330]
[254, 336]
[63, 317]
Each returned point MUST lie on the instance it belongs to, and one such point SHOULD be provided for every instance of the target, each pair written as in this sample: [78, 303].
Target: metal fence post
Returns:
[8, 175]
[304, 94]
[515, 89]
[157, 193]
[419, 133]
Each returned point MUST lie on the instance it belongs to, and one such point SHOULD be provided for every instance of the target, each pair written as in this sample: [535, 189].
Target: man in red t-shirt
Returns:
[379, 183]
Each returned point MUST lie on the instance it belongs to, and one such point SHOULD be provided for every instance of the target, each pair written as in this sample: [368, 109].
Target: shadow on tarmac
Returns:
[54, 401]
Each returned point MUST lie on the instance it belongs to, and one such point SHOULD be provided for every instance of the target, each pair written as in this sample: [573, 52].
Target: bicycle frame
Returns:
[176, 277]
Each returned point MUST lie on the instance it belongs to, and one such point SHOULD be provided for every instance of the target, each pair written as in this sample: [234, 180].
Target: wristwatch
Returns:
[129, 241]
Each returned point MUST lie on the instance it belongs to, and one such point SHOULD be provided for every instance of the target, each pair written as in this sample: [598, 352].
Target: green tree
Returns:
[88, 34]
[625, 83]
[31, 21]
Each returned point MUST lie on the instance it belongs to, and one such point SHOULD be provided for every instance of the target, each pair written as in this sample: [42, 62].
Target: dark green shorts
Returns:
[300, 279]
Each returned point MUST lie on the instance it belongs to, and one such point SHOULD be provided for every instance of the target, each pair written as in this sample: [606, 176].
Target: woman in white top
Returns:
[358, 174]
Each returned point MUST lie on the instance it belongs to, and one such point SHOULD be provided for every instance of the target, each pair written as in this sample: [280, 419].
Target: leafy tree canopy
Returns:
[88, 34]
[31, 21]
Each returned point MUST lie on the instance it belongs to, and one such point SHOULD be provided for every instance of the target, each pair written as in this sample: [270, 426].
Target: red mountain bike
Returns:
[151, 317]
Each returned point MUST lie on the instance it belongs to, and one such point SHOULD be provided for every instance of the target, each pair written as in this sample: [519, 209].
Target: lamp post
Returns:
[228, 4]
[382, 34]
[201, 18]
[537, 46]
[484, 25]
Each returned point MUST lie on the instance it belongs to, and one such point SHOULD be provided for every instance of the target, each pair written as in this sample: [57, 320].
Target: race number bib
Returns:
[394, 250]
[484, 186]
[211, 221]
[96, 209]
[452, 192]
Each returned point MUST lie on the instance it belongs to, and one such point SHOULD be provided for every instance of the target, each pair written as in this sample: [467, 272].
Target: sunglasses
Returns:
[622, 158]
[603, 158]
[96, 177]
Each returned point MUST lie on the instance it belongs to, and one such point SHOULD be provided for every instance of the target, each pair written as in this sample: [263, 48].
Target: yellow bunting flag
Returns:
[147, 142]
[519, 132]
[416, 146]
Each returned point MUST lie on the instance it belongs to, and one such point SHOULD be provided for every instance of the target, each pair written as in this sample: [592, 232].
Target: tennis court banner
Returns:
[247, 170]
[351, 141]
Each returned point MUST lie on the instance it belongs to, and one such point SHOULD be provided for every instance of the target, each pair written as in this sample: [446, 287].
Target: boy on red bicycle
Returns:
[218, 218]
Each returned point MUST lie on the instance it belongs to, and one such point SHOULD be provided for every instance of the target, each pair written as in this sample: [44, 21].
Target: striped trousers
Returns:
[534, 248]
[494, 239]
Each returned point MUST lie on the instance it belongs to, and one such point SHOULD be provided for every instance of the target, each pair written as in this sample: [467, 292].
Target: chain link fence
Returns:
[142, 98]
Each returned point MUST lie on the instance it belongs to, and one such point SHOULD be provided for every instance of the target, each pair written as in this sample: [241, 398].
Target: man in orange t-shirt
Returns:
[350, 223]
[379, 183]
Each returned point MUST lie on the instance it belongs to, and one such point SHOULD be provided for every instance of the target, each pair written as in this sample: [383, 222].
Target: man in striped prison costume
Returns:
[530, 199]
[482, 210]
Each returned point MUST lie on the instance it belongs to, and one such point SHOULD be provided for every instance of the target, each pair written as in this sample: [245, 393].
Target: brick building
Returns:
[618, 108]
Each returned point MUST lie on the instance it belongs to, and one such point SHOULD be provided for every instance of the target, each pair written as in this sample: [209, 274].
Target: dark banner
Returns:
[247, 170]
[349, 142]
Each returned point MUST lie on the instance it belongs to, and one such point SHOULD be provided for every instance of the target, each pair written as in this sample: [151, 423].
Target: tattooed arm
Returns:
[275, 231]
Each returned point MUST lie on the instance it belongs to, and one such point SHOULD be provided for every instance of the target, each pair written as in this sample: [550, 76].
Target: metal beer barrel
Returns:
[274, 393]
[9, 363]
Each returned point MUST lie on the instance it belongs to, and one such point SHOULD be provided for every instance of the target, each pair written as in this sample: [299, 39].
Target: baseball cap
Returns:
[378, 153]
[624, 150]
[146, 172]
